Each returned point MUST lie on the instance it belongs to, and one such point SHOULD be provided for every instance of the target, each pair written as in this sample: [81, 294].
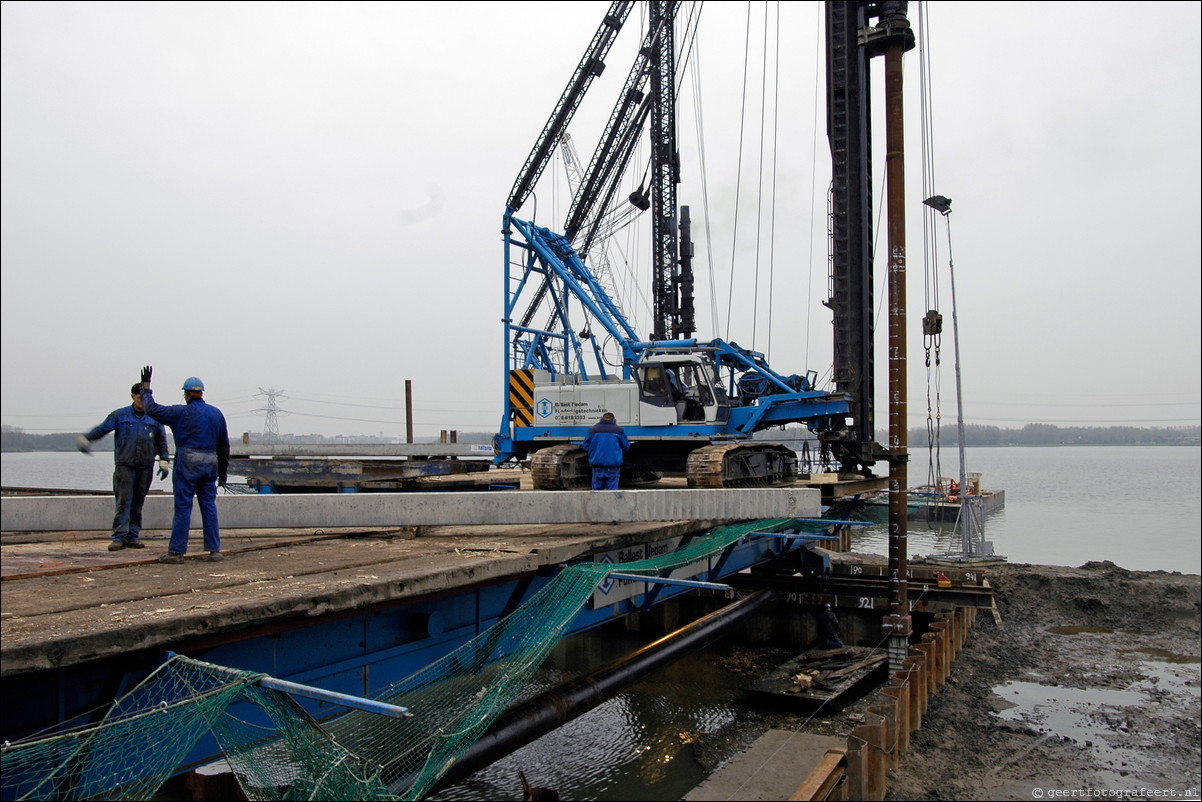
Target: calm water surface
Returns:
[1139, 507]
[69, 470]
[637, 745]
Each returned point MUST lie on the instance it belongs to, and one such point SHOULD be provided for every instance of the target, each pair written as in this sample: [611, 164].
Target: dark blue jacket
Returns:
[139, 438]
[605, 443]
[196, 426]
[828, 625]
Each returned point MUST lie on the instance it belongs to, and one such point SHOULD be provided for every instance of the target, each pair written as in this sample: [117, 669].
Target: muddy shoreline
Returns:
[1090, 684]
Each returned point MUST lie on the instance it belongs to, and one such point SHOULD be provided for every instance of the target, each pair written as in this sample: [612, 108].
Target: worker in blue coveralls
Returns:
[605, 444]
[202, 457]
[828, 628]
[138, 440]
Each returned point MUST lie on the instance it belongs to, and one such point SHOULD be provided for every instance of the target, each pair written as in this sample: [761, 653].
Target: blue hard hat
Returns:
[193, 383]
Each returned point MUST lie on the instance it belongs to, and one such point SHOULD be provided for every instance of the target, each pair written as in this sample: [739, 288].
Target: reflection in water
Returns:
[637, 745]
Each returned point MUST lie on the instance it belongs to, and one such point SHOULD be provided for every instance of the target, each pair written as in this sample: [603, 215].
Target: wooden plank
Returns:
[823, 778]
[997, 614]
[876, 658]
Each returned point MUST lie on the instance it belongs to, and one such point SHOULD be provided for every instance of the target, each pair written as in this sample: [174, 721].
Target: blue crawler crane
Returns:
[690, 407]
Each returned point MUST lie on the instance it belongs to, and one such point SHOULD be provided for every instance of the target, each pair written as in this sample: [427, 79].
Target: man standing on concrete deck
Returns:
[137, 440]
[202, 457]
[605, 444]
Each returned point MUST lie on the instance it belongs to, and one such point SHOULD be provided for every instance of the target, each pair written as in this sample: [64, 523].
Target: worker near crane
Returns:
[828, 628]
[605, 444]
[138, 439]
[202, 457]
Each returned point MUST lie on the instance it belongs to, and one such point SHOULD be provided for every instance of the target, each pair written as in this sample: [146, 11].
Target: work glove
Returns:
[83, 444]
[221, 479]
[146, 377]
[163, 468]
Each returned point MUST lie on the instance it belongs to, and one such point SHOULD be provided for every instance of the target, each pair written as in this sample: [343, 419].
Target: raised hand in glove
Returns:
[146, 371]
[163, 468]
[83, 444]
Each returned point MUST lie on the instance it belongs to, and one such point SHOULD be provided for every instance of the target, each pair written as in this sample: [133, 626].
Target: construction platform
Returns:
[68, 600]
[312, 468]
[341, 607]
[935, 508]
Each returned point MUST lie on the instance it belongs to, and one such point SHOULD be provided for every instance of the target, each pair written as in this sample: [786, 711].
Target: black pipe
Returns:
[531, 720]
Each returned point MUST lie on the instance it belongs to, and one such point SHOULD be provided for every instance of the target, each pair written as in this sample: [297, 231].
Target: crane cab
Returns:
[664, 390]
[680, 389]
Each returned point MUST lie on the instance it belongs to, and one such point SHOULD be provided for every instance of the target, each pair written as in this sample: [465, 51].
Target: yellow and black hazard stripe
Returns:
[521, 396]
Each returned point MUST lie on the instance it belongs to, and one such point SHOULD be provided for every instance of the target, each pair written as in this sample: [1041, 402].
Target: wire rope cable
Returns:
[694, 73]
[775, 169]
[738, 173]
[932, 326]
[759, 191]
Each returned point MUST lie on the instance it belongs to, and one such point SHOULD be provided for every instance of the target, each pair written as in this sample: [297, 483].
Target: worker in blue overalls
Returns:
[828, 628]
[202, 457]
[138, 439]
[605, 444]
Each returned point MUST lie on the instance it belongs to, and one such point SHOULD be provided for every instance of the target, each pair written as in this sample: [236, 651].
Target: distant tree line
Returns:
[16, 440]
[1045, 434]
[12, 439]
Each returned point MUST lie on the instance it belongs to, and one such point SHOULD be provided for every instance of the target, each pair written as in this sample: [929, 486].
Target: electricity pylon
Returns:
[271, 426]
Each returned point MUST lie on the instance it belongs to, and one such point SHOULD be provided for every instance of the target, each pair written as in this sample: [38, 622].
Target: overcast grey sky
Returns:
[308, 198]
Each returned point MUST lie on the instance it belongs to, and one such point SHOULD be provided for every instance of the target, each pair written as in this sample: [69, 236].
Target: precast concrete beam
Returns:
[63, 513]
[365, 450]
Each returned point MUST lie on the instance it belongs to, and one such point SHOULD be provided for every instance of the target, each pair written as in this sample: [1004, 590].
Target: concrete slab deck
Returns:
[66, 599]
[772, 768]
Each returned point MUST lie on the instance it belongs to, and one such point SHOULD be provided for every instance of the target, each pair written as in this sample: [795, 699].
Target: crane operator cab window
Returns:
[682, 386]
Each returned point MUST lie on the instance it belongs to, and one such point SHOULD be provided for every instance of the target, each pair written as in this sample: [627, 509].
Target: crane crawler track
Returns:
[561, 467]
[565, 467]
[741, 465]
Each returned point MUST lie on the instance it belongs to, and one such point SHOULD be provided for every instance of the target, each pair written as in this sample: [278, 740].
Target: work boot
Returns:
[215, 557]
[116, 545]
[134, 544]
[171, 557]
